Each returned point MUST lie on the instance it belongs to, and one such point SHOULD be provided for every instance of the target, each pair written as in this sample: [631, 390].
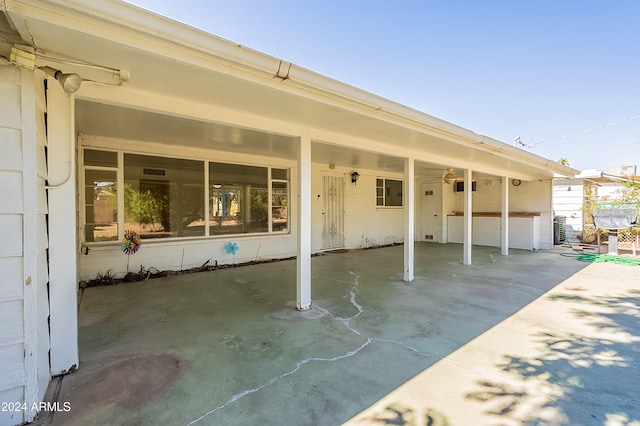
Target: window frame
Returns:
[83, 202]
[383, 190]
[287, 207]
[120, 180]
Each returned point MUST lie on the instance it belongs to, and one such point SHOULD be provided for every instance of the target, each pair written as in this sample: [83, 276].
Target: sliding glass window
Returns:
[163, 197]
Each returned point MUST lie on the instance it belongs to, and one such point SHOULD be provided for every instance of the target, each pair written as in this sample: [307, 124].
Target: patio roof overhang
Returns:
[203, 77]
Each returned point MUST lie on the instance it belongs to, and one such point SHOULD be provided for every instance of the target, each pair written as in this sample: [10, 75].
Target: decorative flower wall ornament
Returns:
[231, 248]
[131, 242]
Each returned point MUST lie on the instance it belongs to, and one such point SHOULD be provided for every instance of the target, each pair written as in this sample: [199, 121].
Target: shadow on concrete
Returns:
[588, 374]
[396, 414]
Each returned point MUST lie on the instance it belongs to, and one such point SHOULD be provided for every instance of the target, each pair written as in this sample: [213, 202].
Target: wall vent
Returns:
[154, 172]
[428, 237]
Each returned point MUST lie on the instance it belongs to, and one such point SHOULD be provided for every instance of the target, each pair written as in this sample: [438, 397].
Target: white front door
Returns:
[429, 212]
[333, 212]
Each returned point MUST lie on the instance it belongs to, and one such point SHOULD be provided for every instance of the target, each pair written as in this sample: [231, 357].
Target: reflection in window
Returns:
[388, 192]
[238, 199]
[163, 197]
[101, 205]
[93, 157]
[279, 200]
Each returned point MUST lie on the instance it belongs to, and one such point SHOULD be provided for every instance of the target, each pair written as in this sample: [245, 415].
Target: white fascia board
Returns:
[594, 175]
[616, 178]
[133, 26]
[589, 173]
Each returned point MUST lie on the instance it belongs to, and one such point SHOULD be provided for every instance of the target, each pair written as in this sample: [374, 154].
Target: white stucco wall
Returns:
[188, 253]
[24, 338]
[534, 196]
[530, 197]
[365, 223]
[180, 254]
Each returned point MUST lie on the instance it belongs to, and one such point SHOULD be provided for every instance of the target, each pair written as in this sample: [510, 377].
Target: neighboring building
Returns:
[623, 170]
[569, 195]
[113, 118]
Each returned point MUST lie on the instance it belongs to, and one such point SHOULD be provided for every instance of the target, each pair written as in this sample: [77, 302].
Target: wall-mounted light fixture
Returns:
[354, 177]
[70, 82]
[449, 178]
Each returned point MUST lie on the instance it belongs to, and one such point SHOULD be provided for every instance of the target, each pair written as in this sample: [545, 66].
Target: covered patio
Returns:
[152, 130]
[228, 347]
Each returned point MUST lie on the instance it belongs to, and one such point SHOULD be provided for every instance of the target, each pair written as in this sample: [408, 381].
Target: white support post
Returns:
[504, 218]
[468, 218]
[63, 249]
[303, 296]
[409, 218]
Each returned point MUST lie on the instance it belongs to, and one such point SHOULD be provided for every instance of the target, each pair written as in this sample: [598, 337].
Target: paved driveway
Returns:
[532, 338]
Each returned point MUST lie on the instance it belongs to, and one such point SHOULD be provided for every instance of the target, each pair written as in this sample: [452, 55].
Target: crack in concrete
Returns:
[300, 364]
[404, 345]
[352, 292]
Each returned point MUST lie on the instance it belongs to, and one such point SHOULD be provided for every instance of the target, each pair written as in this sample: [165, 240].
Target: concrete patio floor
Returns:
[532, 338]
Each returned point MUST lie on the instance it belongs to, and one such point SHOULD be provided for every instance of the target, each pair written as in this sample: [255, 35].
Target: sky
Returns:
[562, 76]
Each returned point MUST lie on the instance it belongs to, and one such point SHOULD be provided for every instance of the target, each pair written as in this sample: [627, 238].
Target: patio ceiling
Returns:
[136, 125]
[172, 61]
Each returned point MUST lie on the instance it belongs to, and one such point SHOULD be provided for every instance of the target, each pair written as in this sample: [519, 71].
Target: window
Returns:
[165, 197]
[100, 158]
[388, 193]
[239, 199]
[101, 205]
[279, 199]
[100, 195]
